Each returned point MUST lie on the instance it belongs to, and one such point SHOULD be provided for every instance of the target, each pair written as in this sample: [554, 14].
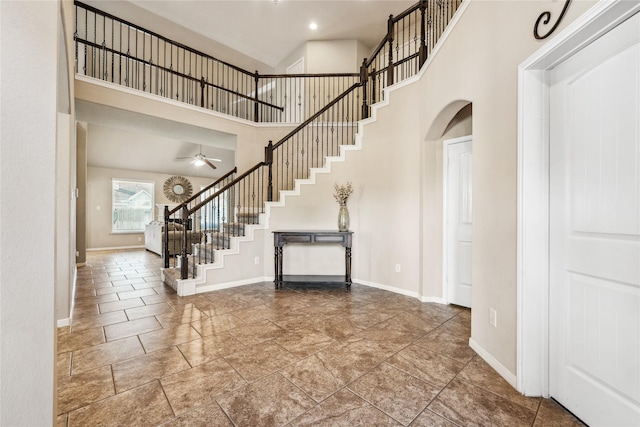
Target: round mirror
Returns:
[177, 189]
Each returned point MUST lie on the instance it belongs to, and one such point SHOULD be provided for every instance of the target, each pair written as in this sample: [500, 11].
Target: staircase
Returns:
[242, 205]
[206, 257]
[217, 220]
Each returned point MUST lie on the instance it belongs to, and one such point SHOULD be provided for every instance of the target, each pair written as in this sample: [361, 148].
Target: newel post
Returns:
[268, 159]
[165, 243]
[390, 70]
[364, 78]
[422, 54]
[184, 261]
[256, 78]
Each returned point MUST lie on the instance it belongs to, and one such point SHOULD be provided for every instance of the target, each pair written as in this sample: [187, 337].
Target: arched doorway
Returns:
[452, 123]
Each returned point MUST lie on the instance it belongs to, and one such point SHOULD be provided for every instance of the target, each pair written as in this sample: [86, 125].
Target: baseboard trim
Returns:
[115, 248]
[387, 288]
[63, 322]
[494, 363]
[219, 286]
[434, 300]
[202, 288]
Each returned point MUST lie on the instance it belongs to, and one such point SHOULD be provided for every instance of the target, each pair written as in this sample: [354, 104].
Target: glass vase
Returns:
[343, 218]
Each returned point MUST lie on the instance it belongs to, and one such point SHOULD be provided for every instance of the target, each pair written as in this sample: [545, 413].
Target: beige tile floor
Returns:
[139, 355]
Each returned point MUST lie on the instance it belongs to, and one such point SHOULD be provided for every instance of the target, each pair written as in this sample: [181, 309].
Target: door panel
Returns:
[459, 228]
[594, 338]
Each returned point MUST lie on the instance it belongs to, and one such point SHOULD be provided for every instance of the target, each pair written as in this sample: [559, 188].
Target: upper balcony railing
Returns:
[120, 52]
[114, 50]
[410, 39]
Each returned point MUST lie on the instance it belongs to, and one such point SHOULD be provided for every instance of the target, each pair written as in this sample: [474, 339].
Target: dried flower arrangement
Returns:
[342, 193]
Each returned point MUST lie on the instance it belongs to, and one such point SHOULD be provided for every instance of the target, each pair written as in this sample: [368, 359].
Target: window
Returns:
[132, 205]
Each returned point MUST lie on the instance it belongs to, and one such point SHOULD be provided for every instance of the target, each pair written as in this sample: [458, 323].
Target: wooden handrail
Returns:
[196, 195]
[280, 76]
[225, 188]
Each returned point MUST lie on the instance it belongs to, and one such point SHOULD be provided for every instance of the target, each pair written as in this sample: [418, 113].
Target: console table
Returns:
[281, 238]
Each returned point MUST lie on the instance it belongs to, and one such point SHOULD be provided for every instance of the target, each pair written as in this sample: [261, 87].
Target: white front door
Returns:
[458, 230]
[594, 295]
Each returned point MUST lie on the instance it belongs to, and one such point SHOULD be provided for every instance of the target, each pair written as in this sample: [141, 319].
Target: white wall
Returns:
[65, 218]
[328, 56]
[28, 70]
[334, 56]
[65, 171]
[81, 183]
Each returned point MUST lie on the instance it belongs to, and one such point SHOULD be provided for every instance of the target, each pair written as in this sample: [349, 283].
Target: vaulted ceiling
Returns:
[269, 30]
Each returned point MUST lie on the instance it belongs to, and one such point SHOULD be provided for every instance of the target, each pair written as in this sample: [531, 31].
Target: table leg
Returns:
[276, 265]
[280, 257]
[347, 277]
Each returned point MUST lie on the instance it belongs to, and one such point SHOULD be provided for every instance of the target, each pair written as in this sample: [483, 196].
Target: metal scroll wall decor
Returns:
[544, 19]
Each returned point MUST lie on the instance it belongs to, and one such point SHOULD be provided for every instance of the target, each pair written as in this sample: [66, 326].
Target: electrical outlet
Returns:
[256, 260]
[397, 268]
[493, 317]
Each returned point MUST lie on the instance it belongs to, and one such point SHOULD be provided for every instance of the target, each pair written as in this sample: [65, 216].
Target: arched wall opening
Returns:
[453, 121]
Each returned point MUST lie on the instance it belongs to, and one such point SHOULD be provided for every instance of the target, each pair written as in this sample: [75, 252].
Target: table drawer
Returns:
[297, 238]
[329, 239]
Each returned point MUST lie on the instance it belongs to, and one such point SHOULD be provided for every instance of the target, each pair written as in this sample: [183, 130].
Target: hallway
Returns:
[139, 355]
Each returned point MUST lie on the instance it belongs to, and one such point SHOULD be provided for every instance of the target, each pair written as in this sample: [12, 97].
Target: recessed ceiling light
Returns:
[313, 26]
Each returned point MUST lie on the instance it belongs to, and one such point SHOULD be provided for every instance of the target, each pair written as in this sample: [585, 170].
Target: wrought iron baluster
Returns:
[137, 66]
[93, 49]
[112, 50]
[75, 37]
[144, 74]
[86, 36]
[127, 79]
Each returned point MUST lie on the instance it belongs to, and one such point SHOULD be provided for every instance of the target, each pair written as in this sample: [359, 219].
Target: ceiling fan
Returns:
[200, 159]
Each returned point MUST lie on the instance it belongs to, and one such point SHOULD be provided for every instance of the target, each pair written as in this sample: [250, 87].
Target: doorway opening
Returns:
[457, 224]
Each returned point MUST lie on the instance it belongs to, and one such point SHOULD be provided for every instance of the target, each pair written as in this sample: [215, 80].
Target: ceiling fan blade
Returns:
[184, 158]
[211, 165]
[213, 159]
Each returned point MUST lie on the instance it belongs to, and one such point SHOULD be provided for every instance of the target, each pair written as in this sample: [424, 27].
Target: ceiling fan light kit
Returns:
[201, 160]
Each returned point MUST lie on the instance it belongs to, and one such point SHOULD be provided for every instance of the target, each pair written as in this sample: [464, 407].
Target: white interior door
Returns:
[458, 230]
[594, 295]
